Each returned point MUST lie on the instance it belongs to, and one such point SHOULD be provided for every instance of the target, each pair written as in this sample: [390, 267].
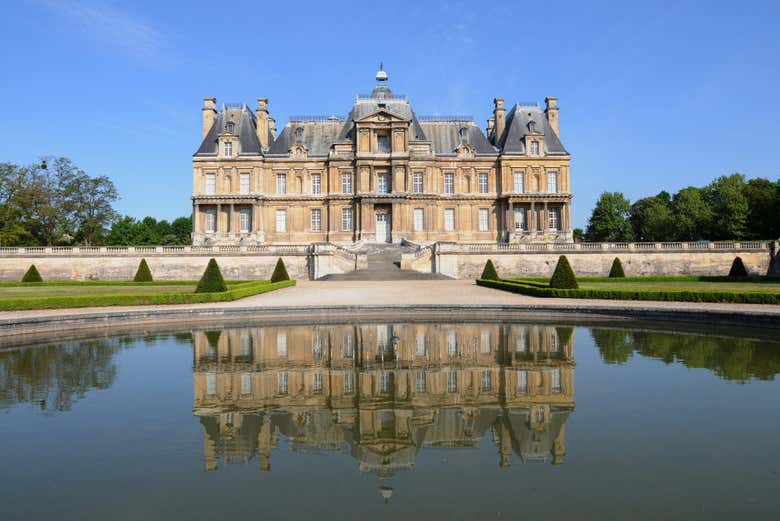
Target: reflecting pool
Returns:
[392, 420]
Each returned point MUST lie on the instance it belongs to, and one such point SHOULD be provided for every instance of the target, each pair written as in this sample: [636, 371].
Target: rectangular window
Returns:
[349, 382]
[419, 220]
[417, 182]
[420, 383]
[316, 386]
[346, 219]
[519, 219]
[519, 182]
[555, 343]
[316, 348]
[211, 384]
[246, 345]
[316, 187]
[522, 382]
[556, 380]
[348, 345]
[521, 342]
[316, 220]
[452, 382]
[483, 219]
[281, 382]
[484, 341]
[246, 384]
[245, 220]
[211, 184]
[452, 343]
[449, 183]
[281, 345]
[552, 182]
[383, 143]
[281, 184]
[383, 183]
[483, 183]
[535, 148]
[449, 219]
[211, 220]
[346, 183]
[228, 148]
[486, 380]
[281, 220]
[385, 381]
[244, 181]
[554, 218]
[420, 344]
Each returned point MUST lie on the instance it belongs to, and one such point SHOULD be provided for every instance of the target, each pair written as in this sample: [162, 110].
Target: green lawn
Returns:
[36, 290]
[683, 286]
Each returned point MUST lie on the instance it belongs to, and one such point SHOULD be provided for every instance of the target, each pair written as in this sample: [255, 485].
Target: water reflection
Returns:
[381, 392]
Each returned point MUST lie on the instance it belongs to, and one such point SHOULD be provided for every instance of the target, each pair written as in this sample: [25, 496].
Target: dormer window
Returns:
[230, 127]
[532, 126]
[228, 148]
[299, 134]
[464, 135]
[535, 148]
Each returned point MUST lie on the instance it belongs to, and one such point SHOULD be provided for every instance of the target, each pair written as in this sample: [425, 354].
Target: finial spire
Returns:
[381, 75]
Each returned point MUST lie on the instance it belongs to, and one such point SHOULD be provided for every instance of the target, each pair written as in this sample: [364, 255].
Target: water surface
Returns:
[392, 420]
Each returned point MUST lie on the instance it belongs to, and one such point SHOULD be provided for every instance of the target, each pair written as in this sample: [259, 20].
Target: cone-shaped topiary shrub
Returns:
[738, 268]
[563, 277]
[32, 275]
[489, 273]
[616, 271]
[144, 274]
[211, 281]
[280, 272]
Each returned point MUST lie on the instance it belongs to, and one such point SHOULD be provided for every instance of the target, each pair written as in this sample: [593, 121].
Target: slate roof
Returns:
[245, 127]
[317, 137]
[445, 136]
[513, 140]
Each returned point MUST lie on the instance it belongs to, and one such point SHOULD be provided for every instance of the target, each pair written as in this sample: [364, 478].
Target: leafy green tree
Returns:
[90, 200]
[763, 198]
[280, 272]
[578, 234]
[144, 274]
[563, 276]
[211, 281]
[182, 230]
[616, 271]
[32, 275]
[726, 197]
[692, 215]
[489, 272]
[651, 218]
[609, 220]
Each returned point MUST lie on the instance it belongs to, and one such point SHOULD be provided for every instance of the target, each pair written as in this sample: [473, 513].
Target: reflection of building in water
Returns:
[383, 392]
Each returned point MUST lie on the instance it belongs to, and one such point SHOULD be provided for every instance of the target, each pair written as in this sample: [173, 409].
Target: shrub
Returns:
[616, 271]
[563, 277]
[280, 272]
[738, 268]
[144, 274]
[32, 275]
[489, 273]
[211, 281]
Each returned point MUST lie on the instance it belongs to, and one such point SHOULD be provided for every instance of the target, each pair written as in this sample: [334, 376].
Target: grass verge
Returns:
[235, 291]
[536, 288]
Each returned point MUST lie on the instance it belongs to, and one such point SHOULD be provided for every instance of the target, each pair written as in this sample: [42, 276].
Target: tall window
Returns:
[246, 344]
[383, 183]
[554, 218]
[522, 382]
[211, 220]
[420, 383]
[556, 380]
[211, 184]
[535, 148]
[383, 143]
[346, 219]
[316, 187]
[385, 381]
[244, 182]
[281, 344]
[486, 380]
[348, 345]
[552, 182]
[449, 219]
[317, 383]
[519, 182]
[452, 343]
[281, 220]
[484, 341]
[211, 384]
[245, 220]
[449, 183]
[420, 344]
[246, 384]
[452, 382]
[483, 183]
[316, 220]
[519, 219]
[419, 220]
[228, 148]
[282, 382]
[417, 182]
[346, 183]
[483, 219]
[349, 384]
[281, 183]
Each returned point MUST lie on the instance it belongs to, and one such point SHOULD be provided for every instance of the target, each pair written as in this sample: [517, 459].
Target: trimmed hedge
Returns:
[535, 290]
[280, 272]
[563, 277]
[32, 275]
[616, 271]
[211, 281]
[737, 268]
[489, 273]
[144, 274]
[237, 291]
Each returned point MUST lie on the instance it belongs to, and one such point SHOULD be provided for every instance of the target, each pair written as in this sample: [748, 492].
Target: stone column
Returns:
[195, 217]
[218, 219]
[511, 220]
[532, 218]
[545, 218]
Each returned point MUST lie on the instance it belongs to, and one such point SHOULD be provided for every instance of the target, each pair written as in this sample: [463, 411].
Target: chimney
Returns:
[262, 122]
[499, 115]
[551, 111]
[272, 126]
[209, 114]
[491, 122]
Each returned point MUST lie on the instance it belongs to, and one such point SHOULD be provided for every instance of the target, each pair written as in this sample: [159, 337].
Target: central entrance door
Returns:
[382, 227]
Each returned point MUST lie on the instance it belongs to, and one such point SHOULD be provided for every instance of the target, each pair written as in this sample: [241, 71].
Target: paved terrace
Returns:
[455, 298]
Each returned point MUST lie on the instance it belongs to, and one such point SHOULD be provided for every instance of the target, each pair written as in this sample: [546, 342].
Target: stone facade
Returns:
[380, 174]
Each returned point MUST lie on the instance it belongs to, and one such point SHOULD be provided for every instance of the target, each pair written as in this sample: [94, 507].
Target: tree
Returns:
[577, 234]
[609, 220]
[726, 197]
[211, 281]
[32, 275]
[691, 213]
[763, 198]
[738, 268]
[90, 200]
[182, 230]
[144, 274]
[280, 272]
[651, 218]
[489, 272]
[563, 276]
[616, 271]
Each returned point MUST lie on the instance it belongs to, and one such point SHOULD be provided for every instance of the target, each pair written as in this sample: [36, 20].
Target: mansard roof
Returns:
[517, 127]
[245, 128]
[317, 135]
[445, 135]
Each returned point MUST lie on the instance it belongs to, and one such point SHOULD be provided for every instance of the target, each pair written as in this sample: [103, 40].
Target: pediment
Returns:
[381, 116]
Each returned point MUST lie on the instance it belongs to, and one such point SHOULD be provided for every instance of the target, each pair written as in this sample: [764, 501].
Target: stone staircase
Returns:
[384, 263]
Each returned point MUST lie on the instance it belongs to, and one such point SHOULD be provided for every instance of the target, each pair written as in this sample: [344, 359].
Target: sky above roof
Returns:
[655, 96]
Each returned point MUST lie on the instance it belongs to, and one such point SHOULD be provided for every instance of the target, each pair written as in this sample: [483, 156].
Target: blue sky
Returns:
[658, 95]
